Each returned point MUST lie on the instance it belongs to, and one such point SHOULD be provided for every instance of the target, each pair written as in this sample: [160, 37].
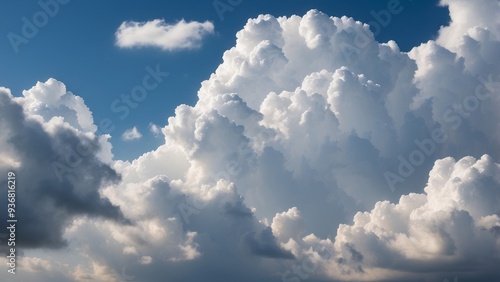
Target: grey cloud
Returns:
[44, 204]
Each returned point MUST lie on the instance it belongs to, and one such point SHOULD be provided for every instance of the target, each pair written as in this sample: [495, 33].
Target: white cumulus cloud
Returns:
[131, 134]
[166, 36]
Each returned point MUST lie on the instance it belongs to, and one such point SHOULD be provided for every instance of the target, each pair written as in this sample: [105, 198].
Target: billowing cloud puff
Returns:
[57, 169]
[313, 153]
[453, 225]
[51, 99]
[480, 15]
[157, 33]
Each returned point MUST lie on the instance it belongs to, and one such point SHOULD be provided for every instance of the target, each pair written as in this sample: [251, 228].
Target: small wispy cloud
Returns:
[155, 129]
[146, 260]
[131, 134]
[158, 33]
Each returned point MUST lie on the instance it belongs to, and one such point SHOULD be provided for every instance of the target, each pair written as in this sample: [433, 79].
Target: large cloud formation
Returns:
[314, 153]
[39, 144]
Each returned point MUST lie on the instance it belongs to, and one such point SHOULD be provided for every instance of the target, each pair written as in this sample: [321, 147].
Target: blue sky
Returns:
[77, 47]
